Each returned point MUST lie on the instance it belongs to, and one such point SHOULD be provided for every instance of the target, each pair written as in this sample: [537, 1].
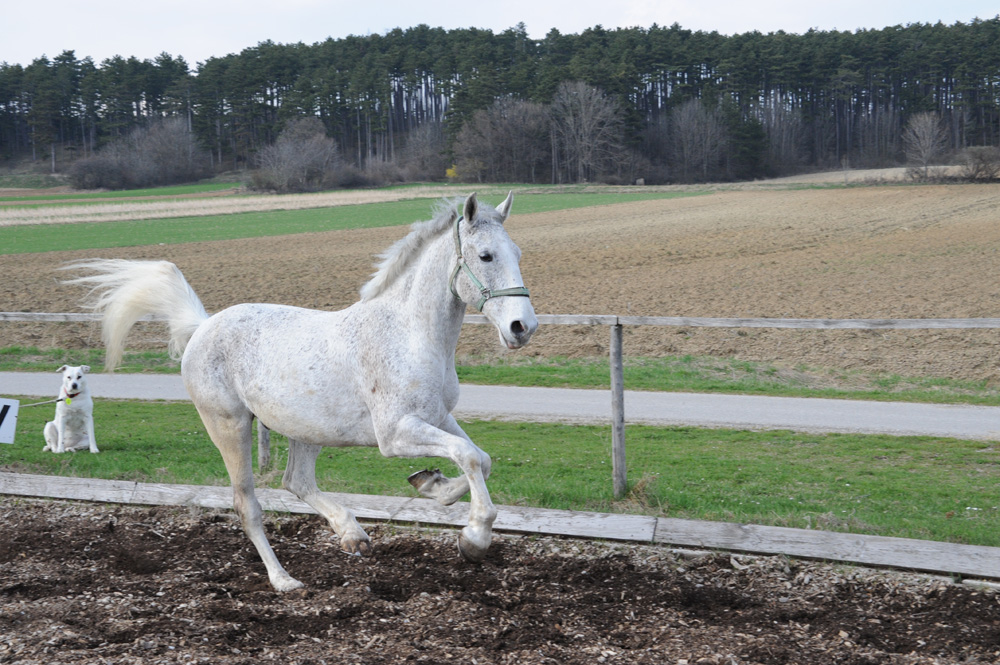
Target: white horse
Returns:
[381, 372]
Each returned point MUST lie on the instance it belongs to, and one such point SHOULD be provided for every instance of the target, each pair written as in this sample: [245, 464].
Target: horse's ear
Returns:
[504, 208]
[471, 208]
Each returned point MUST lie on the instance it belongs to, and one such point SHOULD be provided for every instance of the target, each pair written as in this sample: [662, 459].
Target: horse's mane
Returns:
[394, 261]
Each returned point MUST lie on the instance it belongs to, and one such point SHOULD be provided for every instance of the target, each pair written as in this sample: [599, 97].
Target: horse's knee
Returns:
[247, 507]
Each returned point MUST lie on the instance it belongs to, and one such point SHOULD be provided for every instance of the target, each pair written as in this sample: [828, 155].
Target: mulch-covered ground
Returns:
[90, 583]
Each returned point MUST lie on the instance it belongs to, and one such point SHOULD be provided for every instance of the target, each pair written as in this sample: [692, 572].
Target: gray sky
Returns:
[198, 30]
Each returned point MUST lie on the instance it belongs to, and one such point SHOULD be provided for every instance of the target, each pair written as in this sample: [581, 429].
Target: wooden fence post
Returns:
[620, 482]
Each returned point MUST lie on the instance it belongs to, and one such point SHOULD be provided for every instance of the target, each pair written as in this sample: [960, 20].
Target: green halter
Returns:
[484, 293]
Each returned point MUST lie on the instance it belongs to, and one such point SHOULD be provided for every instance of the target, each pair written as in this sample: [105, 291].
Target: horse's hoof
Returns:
[471, 552]
[425, 477]
[286, 583]
[357, 546]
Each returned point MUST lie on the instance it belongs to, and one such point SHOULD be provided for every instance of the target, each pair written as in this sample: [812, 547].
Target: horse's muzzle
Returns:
[520, 332]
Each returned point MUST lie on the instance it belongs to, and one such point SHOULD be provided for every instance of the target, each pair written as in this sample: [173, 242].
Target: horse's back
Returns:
[284, 364]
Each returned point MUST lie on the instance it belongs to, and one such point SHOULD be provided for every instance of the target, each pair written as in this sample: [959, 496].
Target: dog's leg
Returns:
[51, 434]
[60, 433]
[91, 436]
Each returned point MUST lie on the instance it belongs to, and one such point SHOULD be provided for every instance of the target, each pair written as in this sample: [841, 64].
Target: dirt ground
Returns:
[104, 584]
[868, 252]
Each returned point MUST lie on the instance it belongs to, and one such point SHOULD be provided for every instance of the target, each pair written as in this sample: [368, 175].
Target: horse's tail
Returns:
[125, 291]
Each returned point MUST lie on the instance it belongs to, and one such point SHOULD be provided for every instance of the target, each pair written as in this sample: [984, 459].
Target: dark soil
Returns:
[83, 583]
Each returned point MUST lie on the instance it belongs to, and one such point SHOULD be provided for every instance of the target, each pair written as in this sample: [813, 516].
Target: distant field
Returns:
[52, 235]
[766, 250]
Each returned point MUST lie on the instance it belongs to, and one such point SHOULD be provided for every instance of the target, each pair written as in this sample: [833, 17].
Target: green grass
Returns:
[62, 237]
[669, 373]
[704, 374]
[33, 359]
[174, 190]
[912, 487]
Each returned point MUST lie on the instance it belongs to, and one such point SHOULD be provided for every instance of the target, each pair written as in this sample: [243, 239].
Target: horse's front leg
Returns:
[414, 437]
[300, 480]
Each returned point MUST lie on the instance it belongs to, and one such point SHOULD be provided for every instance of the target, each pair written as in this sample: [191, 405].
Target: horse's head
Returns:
[487, 275]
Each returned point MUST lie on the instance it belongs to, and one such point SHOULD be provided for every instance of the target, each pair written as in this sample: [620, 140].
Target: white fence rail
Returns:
[616, 323]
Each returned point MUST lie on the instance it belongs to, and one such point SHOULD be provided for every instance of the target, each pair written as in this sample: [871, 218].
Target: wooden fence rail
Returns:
[616, 323]
[975, 561]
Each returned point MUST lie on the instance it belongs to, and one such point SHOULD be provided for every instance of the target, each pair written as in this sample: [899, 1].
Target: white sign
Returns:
[8, 419]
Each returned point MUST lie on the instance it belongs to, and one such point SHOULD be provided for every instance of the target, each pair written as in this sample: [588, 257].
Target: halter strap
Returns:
[484, 293]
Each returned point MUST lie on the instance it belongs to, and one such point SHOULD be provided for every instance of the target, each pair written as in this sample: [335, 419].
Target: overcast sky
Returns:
[198, 30]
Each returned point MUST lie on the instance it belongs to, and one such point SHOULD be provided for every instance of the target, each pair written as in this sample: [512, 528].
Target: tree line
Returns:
[659, 103]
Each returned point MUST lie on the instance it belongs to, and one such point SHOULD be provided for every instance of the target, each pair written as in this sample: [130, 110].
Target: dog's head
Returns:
[74, 380]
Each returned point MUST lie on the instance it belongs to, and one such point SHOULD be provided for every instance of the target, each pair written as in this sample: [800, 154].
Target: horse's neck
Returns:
[423, 292]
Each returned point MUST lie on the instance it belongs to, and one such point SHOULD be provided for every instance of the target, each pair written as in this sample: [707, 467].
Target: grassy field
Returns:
[913, 487]
[50, 237]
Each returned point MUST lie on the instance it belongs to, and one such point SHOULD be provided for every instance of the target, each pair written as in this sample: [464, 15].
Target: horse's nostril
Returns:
[517, 328]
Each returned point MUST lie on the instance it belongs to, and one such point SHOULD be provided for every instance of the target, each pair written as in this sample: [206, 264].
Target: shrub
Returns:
[164, 153]
[303, 159]
[981, 163]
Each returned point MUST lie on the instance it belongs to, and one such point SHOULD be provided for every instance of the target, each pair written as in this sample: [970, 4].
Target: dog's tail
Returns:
[125, 291]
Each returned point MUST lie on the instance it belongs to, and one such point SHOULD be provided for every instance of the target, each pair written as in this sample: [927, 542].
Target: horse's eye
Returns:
[485, 257]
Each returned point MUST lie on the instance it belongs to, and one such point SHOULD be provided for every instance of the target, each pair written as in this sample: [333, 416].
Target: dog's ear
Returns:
[62, 369]
[84, 368]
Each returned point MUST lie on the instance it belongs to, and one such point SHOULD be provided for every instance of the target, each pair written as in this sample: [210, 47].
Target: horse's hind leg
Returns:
[435, 485]
[300, 480]
[413, 437]
[232, 437]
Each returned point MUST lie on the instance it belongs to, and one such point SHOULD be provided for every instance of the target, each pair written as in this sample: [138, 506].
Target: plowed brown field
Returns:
[867, 252]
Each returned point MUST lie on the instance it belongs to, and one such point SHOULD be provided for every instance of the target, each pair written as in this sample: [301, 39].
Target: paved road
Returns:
[594, 406]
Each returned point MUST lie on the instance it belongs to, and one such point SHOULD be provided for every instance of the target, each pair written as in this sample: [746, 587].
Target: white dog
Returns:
[73, 428]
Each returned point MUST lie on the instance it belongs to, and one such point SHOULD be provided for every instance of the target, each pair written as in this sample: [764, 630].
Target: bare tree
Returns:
[698, 139]
[300, 160]
[507, 142]
[925, 138]
[171, 148]
[587, 132]
[422, 156]
[475, 149]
